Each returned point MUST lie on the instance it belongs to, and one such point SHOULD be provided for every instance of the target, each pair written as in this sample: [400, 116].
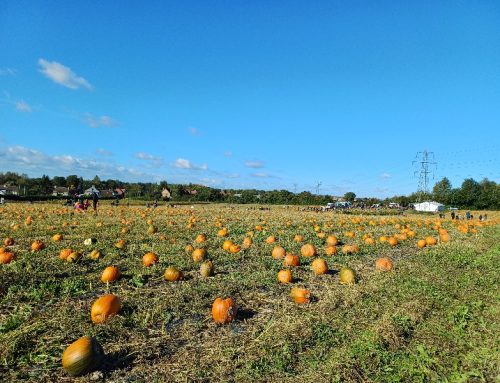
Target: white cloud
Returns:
[261, 175]
[385, 176]
[153, 160]
[25, 160]
[23, 106]
[182, 163]
[62, 75]
[103, 152]
[7, 72]
[97, 122]
[254, 164]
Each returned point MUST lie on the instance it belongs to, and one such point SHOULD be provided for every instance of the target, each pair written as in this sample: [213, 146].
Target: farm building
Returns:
[91, 190]
[429, 206]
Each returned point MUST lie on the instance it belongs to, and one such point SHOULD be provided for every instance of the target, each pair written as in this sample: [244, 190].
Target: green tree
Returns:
[350, 196]
[441, 191]
[469, 193]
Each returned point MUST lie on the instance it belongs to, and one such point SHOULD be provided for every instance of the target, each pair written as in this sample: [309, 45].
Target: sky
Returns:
[252, 94]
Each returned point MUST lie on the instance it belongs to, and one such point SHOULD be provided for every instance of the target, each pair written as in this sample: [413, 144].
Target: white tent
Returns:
[429, 206]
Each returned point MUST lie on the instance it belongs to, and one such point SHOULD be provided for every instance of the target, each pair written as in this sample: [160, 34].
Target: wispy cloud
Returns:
[261, 175]
[193, 131]
[153, 160]
[22, 159]
[99, 122]
[182, 163]
[104, 152]
[254, 164]
[62, 75]
[385, 176]
[7, 72]
[23, 106]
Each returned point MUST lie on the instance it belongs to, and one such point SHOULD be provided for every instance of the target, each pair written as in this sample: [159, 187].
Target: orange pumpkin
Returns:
[95, 255]
[199, 254]
[149, 259]
[233, 249]
[105, 307]
[384, 264]
[392, 241]
[73, 257]
[298, 238]
[189, 249]
[6, 257]
[222, 232]
[37, 245]
[319, 266]
[200, 238]
[82, 356]
[278, 252]
[308, 250]
[300, 295]
[110, 274]
[271, 239]
[57, 237]
[247, 242]
[431, 241]
[291, 260]
[285, 276]
[421, 243]
[64, 253]
[224, 310]
[227, 244]
[120, 244]
[370, 241]
[332, 240]
[330, 250]
[173, 274]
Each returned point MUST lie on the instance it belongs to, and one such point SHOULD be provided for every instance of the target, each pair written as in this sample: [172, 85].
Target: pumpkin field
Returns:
[232, 293]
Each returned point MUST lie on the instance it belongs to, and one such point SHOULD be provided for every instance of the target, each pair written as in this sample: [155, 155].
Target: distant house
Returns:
[429, 206]
[9, 190]
[119, 193]
[60, 191]
[91, 190]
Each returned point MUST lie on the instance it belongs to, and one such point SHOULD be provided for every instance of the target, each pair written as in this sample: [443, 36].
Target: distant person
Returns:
[155, 205]
[480, 217]
[467, 215]
[452, 215]
[95, 200]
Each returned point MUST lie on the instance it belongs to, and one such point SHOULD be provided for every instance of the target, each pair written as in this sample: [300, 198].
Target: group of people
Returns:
[81, 204]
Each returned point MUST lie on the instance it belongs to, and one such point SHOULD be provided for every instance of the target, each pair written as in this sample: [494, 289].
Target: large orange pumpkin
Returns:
[199, 254]
[285, 276]
[278, 252]
[172, 274]
[291, 260]
[384, 264]
[319, 266]
[300, 295]
[110, 274]
[82, 356]
[308, 250]
[149, 259]
[105, 307]
[224, 310]
[6, 257]
[332, 240]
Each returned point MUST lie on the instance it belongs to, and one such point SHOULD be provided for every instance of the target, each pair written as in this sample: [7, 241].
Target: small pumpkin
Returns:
[82, 356]
[207, 269]
[300, 295]
[430, 241]
[9, 241]
[308, 250]
[95, 255]
[200, 238]
[224, 310]
[6, 257]
[331, 250]
[73, 257]
[37, 245]
[149, 259]
[120, 244]
[172, 274]
[189, 249]
[152, 229]
[285, 276]
[110, 274]
[421, 243]
[247, 242]
[347, 276]
[291, 260]
[57, 237]
[105, 307]
[233, 249]
[298, 238]
[278, 252]
[199, 254]
[227, 244]
[271, 239]
[384, 264]
[332, 240]
[319, 266]
[64, 253]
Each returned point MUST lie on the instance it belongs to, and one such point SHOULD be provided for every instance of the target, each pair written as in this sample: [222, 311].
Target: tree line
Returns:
[471, 194]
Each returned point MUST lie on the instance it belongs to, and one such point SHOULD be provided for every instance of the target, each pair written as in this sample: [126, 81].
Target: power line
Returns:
[424, 172]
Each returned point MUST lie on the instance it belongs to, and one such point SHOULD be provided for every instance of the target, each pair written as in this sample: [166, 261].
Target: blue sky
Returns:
[252, 94]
